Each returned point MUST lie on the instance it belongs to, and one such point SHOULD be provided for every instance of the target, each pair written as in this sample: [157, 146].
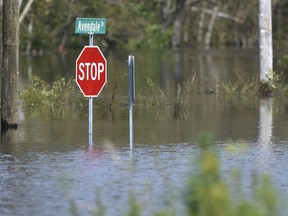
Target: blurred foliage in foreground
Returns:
[208, 194]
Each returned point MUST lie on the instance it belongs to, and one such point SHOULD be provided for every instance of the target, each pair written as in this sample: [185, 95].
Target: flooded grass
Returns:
[63, 96]
[238, 87]
[171, 109]
[182, 97]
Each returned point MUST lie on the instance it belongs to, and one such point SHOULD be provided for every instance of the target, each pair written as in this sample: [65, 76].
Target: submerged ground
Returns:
[46, 165]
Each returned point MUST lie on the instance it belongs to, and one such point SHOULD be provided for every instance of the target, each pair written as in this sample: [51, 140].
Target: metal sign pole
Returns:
[131, 72]
[90, 112]
[87, 82]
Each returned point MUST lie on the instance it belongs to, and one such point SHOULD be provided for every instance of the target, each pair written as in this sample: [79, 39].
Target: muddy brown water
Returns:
[46, 165]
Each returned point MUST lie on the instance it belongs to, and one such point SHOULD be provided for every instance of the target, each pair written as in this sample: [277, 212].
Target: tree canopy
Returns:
[150, 23]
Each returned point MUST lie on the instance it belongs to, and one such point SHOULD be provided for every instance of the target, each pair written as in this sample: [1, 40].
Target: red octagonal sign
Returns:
[91, 71]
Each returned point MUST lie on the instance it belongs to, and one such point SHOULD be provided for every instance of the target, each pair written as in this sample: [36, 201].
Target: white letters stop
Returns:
[90, 71]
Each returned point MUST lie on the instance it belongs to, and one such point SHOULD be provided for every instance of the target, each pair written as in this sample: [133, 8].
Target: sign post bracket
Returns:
[91, 26]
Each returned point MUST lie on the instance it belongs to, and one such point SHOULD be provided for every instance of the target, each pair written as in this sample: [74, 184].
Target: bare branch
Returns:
[219, 14]
[25, 11]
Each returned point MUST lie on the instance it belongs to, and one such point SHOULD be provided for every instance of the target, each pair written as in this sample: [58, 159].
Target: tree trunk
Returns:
[178, 23]
[201, 23]
[30, 32]
[166, 11]
[10, 64]
[265, 41]
[211, 25]
[68, 23]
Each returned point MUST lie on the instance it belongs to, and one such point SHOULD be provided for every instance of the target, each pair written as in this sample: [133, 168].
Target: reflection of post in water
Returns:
[178, 67]
[164, 74]
[206, 73]
[8, 140]
[265, 121]
[183, 88]
[93, 152]
[209, 72]
[29, 68]
[265, 132]
[178, 80]
[200, 71]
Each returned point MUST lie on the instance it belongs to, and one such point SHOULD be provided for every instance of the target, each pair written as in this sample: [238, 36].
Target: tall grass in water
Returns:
[59, 98]
[240, 86]
[182, 97]
[63, 97]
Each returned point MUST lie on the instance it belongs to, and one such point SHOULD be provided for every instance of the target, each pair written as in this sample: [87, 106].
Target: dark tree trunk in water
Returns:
[10, 64]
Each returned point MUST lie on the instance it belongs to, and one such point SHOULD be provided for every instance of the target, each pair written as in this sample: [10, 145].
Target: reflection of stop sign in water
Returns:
[91, 71]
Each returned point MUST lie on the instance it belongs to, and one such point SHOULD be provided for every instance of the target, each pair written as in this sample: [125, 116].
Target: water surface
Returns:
[46, 165]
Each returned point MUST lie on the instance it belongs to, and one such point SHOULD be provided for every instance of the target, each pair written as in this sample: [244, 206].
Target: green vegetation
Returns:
[276, 86]
[239, 87]
[182, 97]
[149, 23]
[61, 98]
[154, 37]
[207, 193]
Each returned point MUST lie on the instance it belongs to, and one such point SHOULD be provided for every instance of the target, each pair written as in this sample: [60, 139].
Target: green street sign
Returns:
[90, 26]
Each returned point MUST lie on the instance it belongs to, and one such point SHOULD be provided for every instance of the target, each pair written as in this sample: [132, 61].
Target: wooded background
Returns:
[149, 23]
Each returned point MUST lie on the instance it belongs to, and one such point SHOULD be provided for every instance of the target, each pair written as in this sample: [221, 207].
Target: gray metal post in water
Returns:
[90, 122]
[131, 73]
[90, 113]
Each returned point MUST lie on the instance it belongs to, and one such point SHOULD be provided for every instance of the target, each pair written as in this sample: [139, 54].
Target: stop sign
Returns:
[91, 71]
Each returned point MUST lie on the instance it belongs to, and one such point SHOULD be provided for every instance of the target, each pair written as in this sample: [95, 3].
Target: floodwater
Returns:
[47, 168]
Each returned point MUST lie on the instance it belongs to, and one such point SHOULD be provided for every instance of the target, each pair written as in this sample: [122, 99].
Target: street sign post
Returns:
[91, 71]
[91, 65]
[131, 74]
